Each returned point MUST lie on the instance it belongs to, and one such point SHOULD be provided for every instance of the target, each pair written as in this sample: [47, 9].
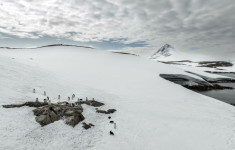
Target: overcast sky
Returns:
[115, 24]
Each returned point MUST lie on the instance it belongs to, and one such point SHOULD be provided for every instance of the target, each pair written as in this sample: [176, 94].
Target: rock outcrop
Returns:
[29, 104]
[71, 113]
[109, 111]
[193, 83]
[91, 103]
[87, 126]
[51, 113]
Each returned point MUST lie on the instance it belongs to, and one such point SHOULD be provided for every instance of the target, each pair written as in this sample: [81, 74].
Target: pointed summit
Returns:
[164, 51]
[165, 48]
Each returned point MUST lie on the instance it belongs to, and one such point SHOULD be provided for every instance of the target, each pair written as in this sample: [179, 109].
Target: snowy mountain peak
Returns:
[164, 51]
[165, 48]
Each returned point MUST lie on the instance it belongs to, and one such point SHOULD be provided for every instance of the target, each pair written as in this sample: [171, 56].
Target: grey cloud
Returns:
[183, 23]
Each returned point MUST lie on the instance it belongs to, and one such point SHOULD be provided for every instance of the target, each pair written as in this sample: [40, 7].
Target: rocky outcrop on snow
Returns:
[87, 126]
[214, 64]
[214, 80]
[91, 103]
[29, 104]
[109, 111]
[71, 113]
[51, 113]
[193, 83]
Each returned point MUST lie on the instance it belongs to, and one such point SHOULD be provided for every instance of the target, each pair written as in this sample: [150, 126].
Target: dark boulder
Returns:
[109, 111]
[87, 126]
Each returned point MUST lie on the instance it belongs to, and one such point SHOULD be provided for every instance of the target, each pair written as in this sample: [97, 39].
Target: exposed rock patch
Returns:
[46, 114]
[51, 113]
[71, 113]
[91, 103]
[214, 64]
[29, 104]
[87, 126]
[192, 83]
[181, 62]
[125, 53]
[209, 64]
[214, 80]
[109, 111]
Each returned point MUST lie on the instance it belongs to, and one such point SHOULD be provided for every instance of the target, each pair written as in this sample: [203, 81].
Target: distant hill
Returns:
[52, 45]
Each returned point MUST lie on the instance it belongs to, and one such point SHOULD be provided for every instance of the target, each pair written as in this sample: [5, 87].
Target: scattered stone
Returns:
[111, 133]
[87, 126]
[125, 53]
[109, 111]
[101, 111]
[91, 124]
[91, 103]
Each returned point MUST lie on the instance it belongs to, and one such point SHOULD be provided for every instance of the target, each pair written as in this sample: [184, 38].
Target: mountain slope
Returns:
[152, 113]
[165, 51]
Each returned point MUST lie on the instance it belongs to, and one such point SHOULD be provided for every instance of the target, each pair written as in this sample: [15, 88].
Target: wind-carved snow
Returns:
[152, 113]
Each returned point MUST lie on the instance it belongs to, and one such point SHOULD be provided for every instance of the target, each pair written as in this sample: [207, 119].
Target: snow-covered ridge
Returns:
[52, 45]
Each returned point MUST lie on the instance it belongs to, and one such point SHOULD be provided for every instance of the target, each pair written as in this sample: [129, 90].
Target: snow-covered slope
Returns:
[152, 113]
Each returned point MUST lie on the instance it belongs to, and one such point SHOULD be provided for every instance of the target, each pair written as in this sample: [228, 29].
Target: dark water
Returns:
[227, 96]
